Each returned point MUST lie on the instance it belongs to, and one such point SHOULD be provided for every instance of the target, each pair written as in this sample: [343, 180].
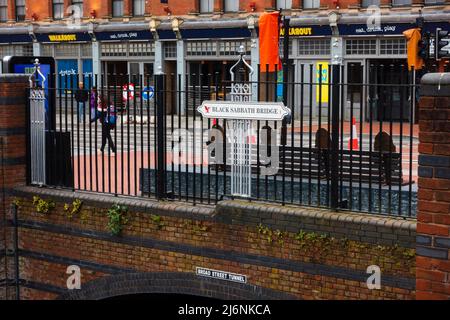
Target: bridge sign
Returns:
[241, 113]
[244, 110]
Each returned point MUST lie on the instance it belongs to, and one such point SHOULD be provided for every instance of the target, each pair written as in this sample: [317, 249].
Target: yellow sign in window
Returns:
[322, 80]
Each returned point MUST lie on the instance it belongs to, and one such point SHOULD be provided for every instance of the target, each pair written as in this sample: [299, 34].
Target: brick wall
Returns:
[43, 9]
[12, 161]
[299, 252]
[433, 220]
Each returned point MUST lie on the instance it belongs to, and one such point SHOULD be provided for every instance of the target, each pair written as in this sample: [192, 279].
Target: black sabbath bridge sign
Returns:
[241, 112]
[270, 111]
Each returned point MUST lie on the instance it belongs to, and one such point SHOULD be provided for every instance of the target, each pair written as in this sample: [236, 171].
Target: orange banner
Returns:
[269, 41]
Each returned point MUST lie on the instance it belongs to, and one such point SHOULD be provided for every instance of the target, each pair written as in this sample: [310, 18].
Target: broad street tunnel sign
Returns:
[222, 275]
[243, 110]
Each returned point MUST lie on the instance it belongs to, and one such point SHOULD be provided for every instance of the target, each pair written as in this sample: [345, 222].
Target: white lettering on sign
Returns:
[222, 275]
[274, 111]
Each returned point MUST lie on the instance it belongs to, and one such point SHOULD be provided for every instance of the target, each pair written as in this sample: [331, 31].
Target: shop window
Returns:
[141, 49]
[231, 48]
[206, 6]
[201, 48]
[138, 8]
[86, 50]
[20, 10]
[3, 10]
[310, 47]
[231, 6]
[117, 8]
[393, 46]
[361, 46]
[311, 4]
[368, 3]
[58, 9]
[114, 50]
[27, 49]
[284, 4]
[434, 2]
[16, 50]
[47, 50]
[6, 50]
[67, 50]
[170, 49]
[401, 2]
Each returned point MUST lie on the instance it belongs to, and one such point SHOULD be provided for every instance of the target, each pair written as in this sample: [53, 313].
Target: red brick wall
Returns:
[177, 7]
[433, 226]
[47, 235]
[13, 158]
[12, 128]
[43, 9]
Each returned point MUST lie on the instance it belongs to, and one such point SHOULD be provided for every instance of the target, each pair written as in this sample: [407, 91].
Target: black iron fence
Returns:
[348, 145]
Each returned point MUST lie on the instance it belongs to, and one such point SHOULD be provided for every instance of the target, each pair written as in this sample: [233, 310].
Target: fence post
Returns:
[160, 129]
[433, 215]
[335, 108]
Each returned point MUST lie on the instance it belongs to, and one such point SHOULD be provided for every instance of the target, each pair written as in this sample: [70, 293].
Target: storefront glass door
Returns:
[390, 99]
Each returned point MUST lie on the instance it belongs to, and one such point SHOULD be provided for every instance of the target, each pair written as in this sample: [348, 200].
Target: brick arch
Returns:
[170, 283]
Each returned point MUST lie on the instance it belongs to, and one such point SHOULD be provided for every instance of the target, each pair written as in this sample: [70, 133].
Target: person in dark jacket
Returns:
[106, 114]
[82, 97]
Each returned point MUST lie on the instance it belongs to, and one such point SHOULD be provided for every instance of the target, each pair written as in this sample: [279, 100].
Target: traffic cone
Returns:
[353, 144]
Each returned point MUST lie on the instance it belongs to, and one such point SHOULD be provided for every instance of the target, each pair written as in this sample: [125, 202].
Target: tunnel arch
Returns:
[181, 283]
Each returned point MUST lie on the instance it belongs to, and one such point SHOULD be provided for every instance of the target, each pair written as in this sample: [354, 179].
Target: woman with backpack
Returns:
[107, 116]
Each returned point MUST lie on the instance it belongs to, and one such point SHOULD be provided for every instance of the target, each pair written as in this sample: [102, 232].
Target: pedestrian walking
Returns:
[81, 97]
[107, 116]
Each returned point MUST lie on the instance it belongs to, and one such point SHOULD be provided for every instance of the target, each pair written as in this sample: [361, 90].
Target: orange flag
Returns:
[269, 41]
[413, 37]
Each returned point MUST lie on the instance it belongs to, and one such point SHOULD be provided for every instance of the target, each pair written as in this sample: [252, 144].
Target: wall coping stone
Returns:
[13, 78]
[233, 208]
[435, 85]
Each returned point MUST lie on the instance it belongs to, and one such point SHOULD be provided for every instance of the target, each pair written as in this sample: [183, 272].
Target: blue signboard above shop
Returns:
[387, 28]
[222, 33]
[124, 35]
[308, 31]
[63, 37]
[364, 29]
[14, 38]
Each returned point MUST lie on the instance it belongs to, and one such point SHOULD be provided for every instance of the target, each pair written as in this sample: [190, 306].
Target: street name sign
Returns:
[222, 275]
[244, 110]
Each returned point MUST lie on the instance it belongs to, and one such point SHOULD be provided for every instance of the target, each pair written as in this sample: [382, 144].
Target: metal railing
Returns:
[350, 146]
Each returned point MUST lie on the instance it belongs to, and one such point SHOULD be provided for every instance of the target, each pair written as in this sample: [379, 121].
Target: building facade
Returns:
[139, 37]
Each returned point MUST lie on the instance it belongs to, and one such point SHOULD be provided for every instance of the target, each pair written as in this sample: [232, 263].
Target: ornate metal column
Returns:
[37, 125]
[240, 130]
